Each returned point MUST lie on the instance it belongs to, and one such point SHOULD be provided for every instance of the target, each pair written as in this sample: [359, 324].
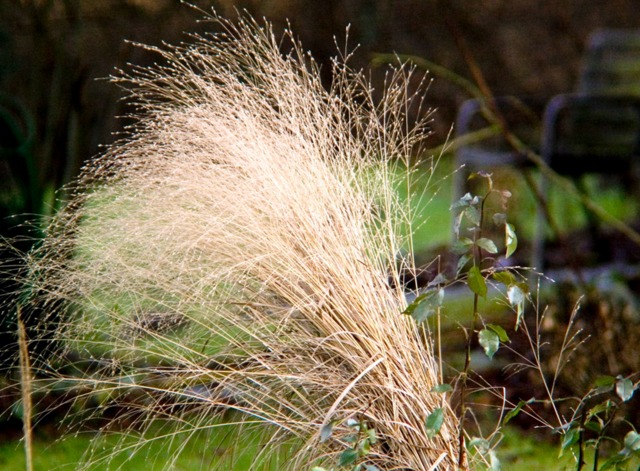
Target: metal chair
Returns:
[611, 64]
[585, 133]
[594, 130]
[597, 129]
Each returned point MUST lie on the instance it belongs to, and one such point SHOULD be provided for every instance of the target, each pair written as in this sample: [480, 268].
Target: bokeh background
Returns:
[55, 55]
[58, 108]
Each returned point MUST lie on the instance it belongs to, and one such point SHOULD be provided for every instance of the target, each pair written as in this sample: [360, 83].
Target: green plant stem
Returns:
[453, 144]
[425, 64]
[581, 462]
[477, 260]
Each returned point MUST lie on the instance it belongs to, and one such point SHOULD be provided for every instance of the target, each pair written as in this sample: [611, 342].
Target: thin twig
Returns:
[25, 383]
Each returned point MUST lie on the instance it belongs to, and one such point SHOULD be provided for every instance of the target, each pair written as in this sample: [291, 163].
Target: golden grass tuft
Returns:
[239, 251]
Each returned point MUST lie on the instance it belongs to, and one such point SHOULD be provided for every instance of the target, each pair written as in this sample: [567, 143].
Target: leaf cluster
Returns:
[360, 440]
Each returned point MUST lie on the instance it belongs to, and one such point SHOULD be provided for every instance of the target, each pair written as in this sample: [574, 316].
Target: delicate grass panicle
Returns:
[239, 252]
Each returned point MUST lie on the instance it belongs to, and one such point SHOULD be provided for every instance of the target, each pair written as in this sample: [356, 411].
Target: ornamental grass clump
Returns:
[236, 258]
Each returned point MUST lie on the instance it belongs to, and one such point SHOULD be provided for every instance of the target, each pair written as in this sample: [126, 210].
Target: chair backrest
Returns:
[611, 65]
[490, 148]
[597, 129]
[591, 133]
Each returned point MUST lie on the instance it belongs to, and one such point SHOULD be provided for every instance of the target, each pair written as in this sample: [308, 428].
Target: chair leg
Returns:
[538, 242]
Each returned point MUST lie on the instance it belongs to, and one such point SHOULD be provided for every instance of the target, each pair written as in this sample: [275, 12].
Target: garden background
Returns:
[58, 111]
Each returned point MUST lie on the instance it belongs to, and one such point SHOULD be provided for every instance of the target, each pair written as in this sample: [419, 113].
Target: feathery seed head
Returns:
[235, 253]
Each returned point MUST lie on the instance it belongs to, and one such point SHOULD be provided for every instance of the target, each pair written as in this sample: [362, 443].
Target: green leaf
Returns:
[516, 410]
[326, 431]
[494, 462]
[484, 448]
[462, 246]
[480, 444]
[604, 381]
[490, 341]
[598, 408]
[632, 441]
[624, 389]
[353, 423]
[425, 305]
[517, 294]
[519, 313]
[434, 422]
[414, 305]
[372, 437]
[502, 334]
[504, 277]
[570, 438]
[614, 462]
[348, 457]
[457, 222]
[472, 214]
[487, 244]
[319, 468]
[511, 240]
[476, 282]
[465, 201]
[440, 279]
[462, 262]
[442, 388]
[429, 305]
[594, 426]
[351, 438]
[365, 447]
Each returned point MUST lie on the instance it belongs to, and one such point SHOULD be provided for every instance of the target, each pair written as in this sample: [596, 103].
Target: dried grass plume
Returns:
[237, 255]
